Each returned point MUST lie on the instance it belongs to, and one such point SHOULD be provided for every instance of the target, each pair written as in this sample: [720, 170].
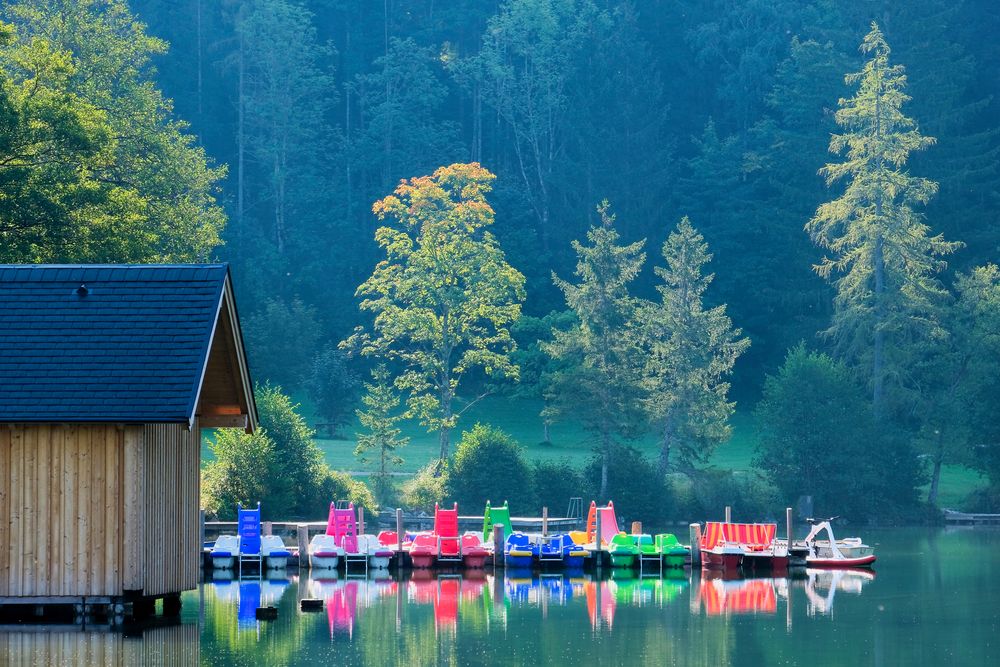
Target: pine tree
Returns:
[383, 438]
[691, 350]
[600, 381]
[884, 260]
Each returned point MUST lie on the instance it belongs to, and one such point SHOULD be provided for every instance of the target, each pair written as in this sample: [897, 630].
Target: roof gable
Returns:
[108, 343]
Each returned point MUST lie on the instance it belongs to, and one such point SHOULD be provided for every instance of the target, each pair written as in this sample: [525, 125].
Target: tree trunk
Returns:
[878, 361]
[932, 494]
[240, 140]
[664, 464]
[605, 456]
[545, 431]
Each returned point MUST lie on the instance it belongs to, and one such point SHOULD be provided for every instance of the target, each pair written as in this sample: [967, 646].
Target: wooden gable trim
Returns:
[243, 412]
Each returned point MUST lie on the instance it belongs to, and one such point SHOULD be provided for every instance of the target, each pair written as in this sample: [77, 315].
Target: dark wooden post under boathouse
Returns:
[107, 375]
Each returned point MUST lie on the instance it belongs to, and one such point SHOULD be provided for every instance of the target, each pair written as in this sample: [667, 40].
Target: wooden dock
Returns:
[953, 518]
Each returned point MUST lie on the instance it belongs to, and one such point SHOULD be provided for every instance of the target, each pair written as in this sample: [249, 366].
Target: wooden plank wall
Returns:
[173, 645]
[60, 509]
[170, 503]
[98, 510]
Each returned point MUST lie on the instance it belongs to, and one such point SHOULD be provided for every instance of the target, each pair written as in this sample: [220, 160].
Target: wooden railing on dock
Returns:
[954, 518]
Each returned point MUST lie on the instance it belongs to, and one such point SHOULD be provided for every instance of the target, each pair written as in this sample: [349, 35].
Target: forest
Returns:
[641, 216]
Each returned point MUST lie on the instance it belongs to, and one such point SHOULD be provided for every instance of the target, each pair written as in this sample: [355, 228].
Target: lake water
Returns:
[932, 599]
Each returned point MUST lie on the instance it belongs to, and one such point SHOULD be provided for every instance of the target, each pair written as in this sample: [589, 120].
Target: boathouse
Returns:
[107, 376]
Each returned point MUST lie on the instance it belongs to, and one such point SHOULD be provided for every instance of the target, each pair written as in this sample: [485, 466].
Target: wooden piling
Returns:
[498, 552]
[361, 520]
[788, 527]
[694, 535]
[729, 514]
[302, 536]
[268, 528]
[399, 530]
[545, 522]
[637, 527]
[201, 528]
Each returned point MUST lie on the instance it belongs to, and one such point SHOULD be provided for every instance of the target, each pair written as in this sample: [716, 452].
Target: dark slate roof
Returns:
[131, 350]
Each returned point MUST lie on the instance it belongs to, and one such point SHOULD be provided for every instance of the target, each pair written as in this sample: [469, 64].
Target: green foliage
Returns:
[638, 490]
[427, 487]
[382, 439]
[691, 350]
[147, 192]
[598, 382]
[279, 465]
[556, 481]
[490, 465]
[444, 297]
[886, 260]
[281, 339]
[51, 140]
[710, 490]
[333, 486]
[818, 437]
[333, 387]
[239, 473]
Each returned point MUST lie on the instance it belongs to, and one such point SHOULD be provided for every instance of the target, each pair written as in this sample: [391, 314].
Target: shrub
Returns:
[490, 465]
[639, 492]
[279, 465]
[555, 483]
[239, 473]
[751, 497]
[334, 486]
[818, 438]
[427, 487]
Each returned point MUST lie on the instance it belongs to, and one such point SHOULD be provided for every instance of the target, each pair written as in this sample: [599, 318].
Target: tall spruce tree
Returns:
[600, 381]
[884, 261]
[691, 350]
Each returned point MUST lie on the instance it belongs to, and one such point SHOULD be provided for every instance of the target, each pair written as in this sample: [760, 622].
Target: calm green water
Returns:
[933, 599]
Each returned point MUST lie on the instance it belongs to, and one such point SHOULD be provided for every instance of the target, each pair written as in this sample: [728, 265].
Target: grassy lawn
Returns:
[519, 417]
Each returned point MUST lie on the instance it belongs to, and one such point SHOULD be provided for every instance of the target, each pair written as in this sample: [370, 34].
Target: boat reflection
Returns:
[723, 595]
[821, 587]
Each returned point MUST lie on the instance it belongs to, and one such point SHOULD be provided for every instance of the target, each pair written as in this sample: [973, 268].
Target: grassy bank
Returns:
[519, 417]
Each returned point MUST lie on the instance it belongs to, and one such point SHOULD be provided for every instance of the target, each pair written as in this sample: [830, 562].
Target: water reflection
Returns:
[821, 587]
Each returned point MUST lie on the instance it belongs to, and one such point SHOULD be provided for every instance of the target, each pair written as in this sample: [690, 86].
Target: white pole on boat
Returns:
[545, 522]
[729, 514]
[694, 535]
[399, 539]
[788, 528]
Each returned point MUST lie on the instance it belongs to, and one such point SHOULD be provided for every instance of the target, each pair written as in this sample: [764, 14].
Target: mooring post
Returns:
[201, 528]
[729, 514]
[498, 555]
[637, 527]
[694, 534]
[399, 530]
[302, 536]
[597, 542]
[361, 520]
[788, 527]
[545, 522]
[268, 528]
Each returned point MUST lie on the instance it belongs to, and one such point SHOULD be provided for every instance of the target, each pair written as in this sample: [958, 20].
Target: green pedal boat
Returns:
[623, 550]
[673, 552]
